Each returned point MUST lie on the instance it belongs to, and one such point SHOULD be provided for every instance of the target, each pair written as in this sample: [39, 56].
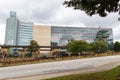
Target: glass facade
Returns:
[11, 29]
[61, 35]
[18, 33]
[107, 35]
[25, 33]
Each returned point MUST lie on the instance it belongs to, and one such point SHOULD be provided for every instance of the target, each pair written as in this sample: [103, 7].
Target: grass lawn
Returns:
[113, 74]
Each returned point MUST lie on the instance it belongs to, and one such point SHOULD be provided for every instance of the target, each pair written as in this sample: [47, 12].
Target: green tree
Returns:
[91, 7]
[99, 46]
[78, 46]
[34, 47]
[99, 38]
[117, 46]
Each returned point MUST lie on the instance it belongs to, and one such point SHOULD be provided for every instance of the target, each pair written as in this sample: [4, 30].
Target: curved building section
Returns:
[11, 29]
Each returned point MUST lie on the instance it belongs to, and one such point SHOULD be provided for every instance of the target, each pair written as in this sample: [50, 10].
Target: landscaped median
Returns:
[23, 61]
[113, 74]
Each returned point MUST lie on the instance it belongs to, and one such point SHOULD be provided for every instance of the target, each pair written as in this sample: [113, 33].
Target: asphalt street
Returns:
[55, 67]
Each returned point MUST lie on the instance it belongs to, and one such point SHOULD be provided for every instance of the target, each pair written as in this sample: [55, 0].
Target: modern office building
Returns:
[21, 33]
[17, 32]
[11, 29]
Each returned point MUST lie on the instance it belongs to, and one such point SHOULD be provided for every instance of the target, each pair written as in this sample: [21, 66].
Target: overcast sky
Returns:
[52, 12]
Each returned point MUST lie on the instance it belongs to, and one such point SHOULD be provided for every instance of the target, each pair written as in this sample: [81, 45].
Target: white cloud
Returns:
[116, 33]
[2, 33]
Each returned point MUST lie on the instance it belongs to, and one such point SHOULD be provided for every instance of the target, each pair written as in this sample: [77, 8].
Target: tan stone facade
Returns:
[42, 34]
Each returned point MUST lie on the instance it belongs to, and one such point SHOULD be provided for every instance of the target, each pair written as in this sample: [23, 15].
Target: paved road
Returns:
[55, 67]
